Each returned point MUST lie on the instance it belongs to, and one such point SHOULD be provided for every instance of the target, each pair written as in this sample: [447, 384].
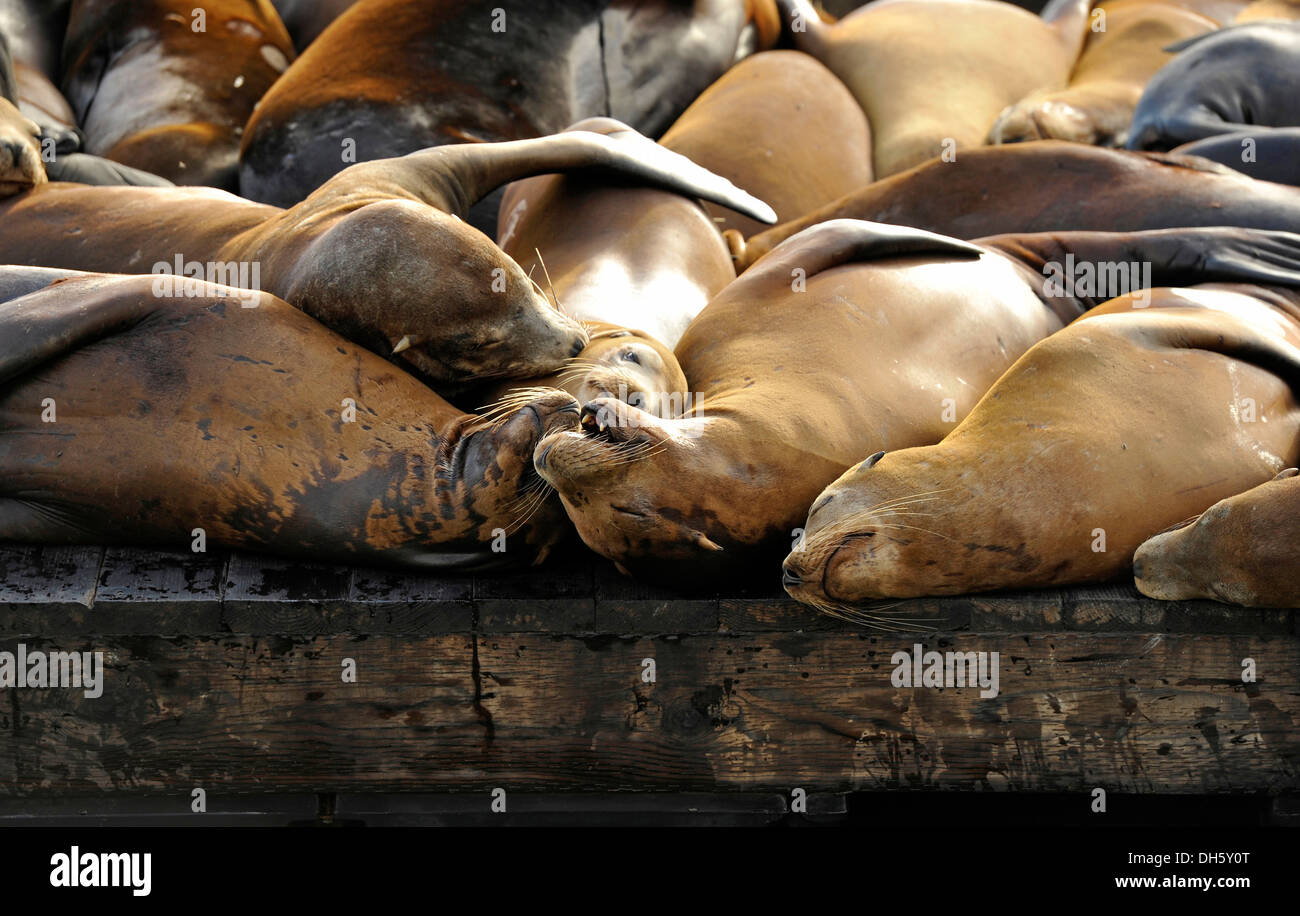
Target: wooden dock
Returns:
[227, 673]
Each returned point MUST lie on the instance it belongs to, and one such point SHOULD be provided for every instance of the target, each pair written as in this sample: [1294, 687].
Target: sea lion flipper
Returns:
[453, 178]
[37, 330]
[1167, 257]
[842, 241]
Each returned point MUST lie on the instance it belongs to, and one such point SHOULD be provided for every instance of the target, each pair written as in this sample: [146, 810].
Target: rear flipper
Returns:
[1083, 269]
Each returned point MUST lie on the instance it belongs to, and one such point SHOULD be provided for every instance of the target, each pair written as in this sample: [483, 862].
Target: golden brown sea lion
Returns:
[784, 128]
[933, 75]
[1128, 420]
[1241, 550]
[129, 417]
[1118, 60]
[21, 168]
[848, 338]
[379, 254]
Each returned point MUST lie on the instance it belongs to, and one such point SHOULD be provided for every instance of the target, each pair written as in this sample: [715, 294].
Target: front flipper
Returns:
[453, 178]
[35, 329]
[843, 241]
[1164, 257]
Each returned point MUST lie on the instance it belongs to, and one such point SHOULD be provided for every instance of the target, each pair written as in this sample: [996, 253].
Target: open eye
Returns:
[631, 357]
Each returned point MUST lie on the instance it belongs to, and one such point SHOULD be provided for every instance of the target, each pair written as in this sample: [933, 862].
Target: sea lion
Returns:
[305, 19]
[1269, 154]
[781, 126]
[390, 77]
[135, 418]
[1045, 186]
[21, 168]
[1242, 550]
[633, 264]
[379, 253]
[847, 338]
[1101, 435]
[933, 75]
[166, 86]
[1239, 78]
[1269, 9]
[1117, 62]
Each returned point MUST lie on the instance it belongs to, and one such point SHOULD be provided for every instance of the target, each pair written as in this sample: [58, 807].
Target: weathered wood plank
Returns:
[1130, 713]
[143, 592]
[47, 589]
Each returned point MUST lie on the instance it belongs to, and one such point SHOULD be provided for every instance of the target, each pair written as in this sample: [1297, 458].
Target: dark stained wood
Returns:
[225, 673]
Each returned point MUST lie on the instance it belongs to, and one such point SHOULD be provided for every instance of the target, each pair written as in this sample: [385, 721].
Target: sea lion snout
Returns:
[21, 167]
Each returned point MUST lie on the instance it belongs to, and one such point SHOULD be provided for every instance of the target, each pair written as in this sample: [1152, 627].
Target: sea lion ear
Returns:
[1288, 473]
[701, 540]
[871, 462]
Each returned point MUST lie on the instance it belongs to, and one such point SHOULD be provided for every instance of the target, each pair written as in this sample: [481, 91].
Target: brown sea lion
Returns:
[134, 418]
[1241, 550]
[391, 76]
[1126, 421]
[616, 251]
[1049, 186]
[933, 75]
[1122, 52]
[166, 86]
[34, 29]
[21, 168]
[379, 254]
[781, 126]
[848, 338]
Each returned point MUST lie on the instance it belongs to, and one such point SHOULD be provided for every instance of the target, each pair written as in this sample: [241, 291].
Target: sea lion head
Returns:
[628, 365]
[878, 532]
[456, 308]
[1226, 552]
[624, 479]
[489, 467]
[21, 168]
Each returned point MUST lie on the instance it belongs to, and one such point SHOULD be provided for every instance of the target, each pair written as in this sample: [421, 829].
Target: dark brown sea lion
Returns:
[1049, 186]
[933, 75]
[781, 126]
[1240, 78]
[129, 417]
[167, 85]
[379, 254]
[1122, 52]
[1126, 421]
[848, 338]
[1241, 550]
[390, 77]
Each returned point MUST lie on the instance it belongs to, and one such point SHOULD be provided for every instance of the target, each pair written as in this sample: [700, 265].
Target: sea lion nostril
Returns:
[1137, 569]
[790, 577]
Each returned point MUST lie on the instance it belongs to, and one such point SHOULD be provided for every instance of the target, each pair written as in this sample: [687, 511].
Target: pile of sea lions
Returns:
[923, 297]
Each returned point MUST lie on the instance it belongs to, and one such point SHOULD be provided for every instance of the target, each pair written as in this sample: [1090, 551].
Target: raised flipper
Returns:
[453, 178]
[844, 241]
[79, 310]
[19, 281]
[1176, 257]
